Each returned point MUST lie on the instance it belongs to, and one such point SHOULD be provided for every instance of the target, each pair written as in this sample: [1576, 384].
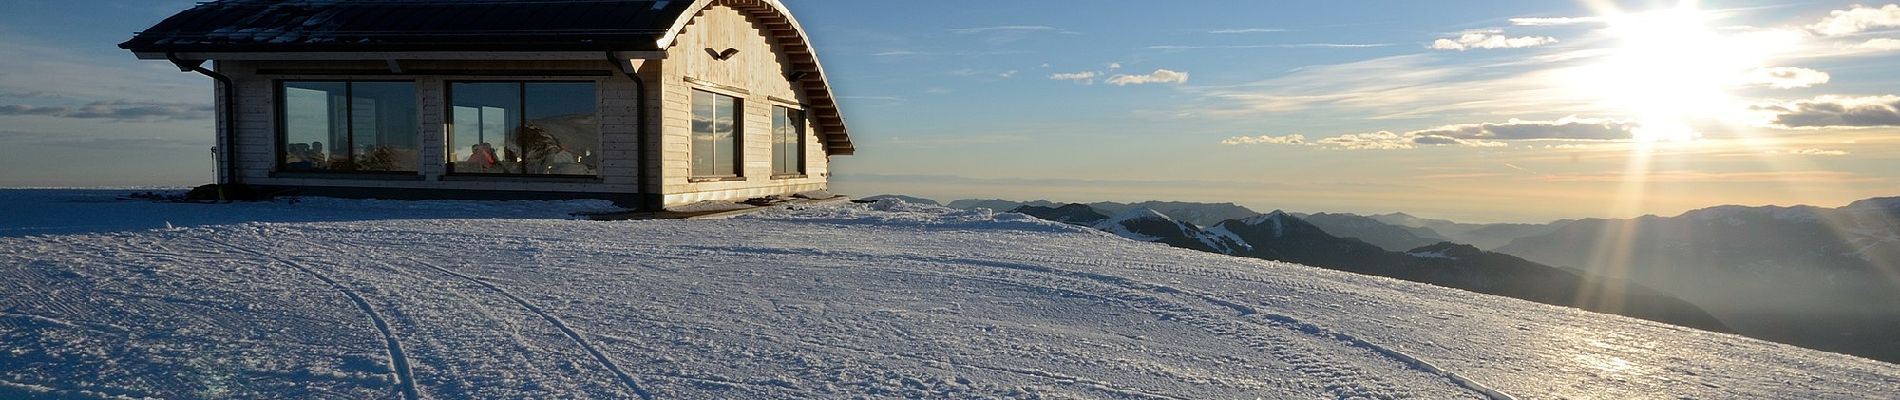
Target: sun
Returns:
[1670, 70]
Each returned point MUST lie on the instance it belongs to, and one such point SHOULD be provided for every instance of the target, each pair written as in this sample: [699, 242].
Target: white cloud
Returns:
[1834, 111]
[1786, 77]
[1114, 66]
[1858, 19]
[1265, 139]
[1883, 44]
[1159, 76]
[1491, 39]
[1554, 21]
[1380, 140]
[1084, 77]
[1010, 74]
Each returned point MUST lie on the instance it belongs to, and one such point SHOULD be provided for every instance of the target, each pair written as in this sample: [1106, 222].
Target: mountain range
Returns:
[1279, 236]
[1822, 278]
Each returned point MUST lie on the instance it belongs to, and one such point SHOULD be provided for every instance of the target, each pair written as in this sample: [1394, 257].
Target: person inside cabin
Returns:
[297, 158]
[482, 157]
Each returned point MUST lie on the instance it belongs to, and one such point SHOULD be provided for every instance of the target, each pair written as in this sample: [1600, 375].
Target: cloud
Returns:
[1010, 74]
[1490, 39]
[1084, 77]
[1404, 86]
[1810, 152]
[1567, 128]
[1244, 30]
[1555, 21]
[117, 111]
[1786, 77]
[1834, 111]
[1265, 139]
[1858, 19]
[65, 140]
[1464, 135]
[1380, 140]
[1883, 44]
[1159, 76]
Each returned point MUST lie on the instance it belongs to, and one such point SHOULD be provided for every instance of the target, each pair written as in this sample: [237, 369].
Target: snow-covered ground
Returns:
[886, 301]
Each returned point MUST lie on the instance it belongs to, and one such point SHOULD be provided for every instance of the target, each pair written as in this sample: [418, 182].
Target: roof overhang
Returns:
[405, 55]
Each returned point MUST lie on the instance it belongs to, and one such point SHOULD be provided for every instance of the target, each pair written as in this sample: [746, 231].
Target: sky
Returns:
[1479, 111]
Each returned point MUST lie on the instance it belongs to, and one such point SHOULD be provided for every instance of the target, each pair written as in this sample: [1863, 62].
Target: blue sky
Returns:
[1475, 110]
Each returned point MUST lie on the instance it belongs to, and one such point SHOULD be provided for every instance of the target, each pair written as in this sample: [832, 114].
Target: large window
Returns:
[524, 128]
[716, 130]
[788, 141]
[341, 126]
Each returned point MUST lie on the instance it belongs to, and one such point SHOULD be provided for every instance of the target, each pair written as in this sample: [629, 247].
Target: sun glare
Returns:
[1670, 70]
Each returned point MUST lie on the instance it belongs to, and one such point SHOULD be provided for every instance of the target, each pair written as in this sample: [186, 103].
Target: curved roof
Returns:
[372, 26]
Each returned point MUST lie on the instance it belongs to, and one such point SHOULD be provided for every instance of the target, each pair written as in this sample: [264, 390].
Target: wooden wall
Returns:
[755, 74]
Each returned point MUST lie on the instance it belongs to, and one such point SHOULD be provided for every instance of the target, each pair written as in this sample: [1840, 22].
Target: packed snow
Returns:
[883, 300]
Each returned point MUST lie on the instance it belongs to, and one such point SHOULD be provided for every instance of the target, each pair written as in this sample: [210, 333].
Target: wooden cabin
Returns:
[651, 103]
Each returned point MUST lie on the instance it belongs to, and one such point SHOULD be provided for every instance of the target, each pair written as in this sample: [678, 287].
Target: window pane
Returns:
[383, 126]
[726, 135]
[795, 142]
[313, 114]
[703, 116]
[787, 141]
[781, 128]
[561, 137]
[485, 115]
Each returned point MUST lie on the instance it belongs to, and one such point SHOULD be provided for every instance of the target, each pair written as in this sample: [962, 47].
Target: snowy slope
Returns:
[883, 301]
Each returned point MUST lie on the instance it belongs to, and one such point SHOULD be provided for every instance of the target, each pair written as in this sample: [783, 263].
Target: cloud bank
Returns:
[1465, 135]
[116, 110]
[1834, 112]
[1858, 19]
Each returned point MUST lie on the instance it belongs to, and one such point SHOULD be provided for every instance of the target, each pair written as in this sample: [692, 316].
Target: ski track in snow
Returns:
[848, 301]
[405, 379]
[553, 320]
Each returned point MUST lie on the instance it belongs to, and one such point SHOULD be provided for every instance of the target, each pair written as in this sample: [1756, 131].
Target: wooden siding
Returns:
[757, 72]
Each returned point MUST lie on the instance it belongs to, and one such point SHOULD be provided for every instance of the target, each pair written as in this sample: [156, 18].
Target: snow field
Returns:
[885, 300]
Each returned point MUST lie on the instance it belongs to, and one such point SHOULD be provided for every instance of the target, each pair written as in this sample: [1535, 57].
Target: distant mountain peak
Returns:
[1138, 213]
[1888, 203]
[1447, 250]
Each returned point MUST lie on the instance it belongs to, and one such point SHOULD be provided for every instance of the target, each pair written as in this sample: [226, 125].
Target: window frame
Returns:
[796, 115]
[739, 102]
[521, 93]
[282, 126]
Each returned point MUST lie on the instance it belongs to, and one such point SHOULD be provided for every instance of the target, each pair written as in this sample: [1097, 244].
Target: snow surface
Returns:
[886, 300]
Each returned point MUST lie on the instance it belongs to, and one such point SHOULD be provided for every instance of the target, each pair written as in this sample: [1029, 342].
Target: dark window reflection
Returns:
[532, 128]
[349, 126]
